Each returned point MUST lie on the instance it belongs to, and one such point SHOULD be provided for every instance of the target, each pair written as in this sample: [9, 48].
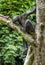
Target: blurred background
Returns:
[13, 49]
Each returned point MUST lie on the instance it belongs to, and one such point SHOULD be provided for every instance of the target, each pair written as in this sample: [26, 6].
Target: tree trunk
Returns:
[39, 55]
[40, 31]
[30, 56]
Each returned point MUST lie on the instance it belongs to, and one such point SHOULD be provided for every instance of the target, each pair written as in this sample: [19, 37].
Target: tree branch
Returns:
[9, 23]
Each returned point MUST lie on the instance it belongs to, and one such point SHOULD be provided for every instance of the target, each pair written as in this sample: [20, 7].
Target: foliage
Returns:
[11, 42]
[16, 7]
[9, 7]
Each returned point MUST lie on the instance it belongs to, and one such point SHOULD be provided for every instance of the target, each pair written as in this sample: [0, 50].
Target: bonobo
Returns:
[26, 25]
[24, 22]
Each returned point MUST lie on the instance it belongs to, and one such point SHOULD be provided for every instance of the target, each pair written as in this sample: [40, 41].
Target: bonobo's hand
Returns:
[7, 17]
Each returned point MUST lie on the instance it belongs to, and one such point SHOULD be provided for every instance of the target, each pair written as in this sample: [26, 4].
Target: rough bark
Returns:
[39, 51]
[35, 55]
[40, 31]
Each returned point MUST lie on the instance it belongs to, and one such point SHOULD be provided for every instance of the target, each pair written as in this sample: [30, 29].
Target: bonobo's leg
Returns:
[25, 43]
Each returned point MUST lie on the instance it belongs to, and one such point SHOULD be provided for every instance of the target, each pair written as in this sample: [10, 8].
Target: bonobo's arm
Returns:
[27, 13]
[21, 18]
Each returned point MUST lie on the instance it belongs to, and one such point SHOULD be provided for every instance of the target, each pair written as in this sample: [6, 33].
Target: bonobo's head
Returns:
[15, 18]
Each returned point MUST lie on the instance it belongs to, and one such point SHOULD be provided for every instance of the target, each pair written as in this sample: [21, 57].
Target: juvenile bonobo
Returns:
[24, 22]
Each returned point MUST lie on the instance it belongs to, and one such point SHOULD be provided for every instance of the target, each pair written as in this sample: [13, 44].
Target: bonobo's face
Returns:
[15, 18]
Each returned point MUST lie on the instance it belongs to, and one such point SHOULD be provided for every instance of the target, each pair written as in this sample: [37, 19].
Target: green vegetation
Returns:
[11, 42]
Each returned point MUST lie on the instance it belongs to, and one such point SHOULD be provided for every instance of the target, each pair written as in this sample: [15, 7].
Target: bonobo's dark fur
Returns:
[28, 27]
[26, 23]
[17, 19]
